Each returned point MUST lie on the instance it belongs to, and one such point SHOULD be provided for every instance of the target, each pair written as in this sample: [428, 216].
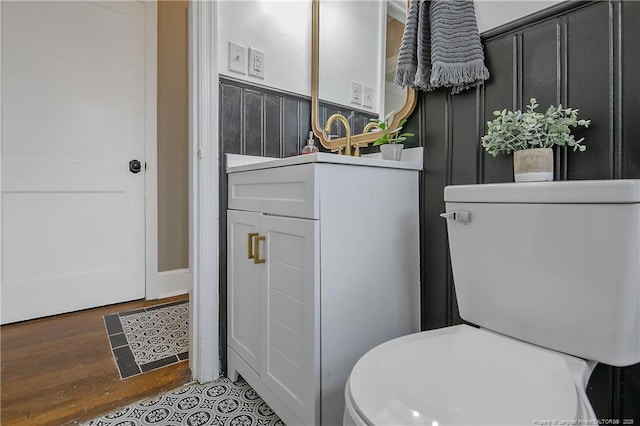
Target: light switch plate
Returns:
[256, 62]
[367, 96]
[237, 58]
[356, 93]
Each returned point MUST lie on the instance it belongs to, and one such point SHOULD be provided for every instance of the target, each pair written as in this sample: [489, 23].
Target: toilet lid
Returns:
[461, 375]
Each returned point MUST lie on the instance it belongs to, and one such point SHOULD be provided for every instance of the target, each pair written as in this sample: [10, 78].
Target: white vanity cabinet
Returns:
[272, 305]
[323, 265]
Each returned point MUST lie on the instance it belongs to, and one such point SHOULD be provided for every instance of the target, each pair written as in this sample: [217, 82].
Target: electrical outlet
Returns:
[237, 58]
[256, 62]
[367, 96]
[356, 93]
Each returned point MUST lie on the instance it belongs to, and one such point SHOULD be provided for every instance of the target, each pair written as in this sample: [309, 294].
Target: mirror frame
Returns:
[361, 139]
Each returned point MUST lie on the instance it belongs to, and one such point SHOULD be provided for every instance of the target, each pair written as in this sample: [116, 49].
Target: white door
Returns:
[73, 116]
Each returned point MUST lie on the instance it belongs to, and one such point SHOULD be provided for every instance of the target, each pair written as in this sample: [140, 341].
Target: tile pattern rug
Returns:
[220, 403]
[149, 338]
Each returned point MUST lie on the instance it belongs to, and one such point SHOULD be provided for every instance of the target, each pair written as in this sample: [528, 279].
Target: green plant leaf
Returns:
[516, 130]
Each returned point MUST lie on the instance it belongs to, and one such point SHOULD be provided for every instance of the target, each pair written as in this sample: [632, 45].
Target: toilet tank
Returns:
[556, 264]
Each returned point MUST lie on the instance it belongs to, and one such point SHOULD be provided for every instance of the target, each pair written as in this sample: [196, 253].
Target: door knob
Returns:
[135, 166]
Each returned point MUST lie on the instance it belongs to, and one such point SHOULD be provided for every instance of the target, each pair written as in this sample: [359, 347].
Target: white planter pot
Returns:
[391, 151]
[533, 165]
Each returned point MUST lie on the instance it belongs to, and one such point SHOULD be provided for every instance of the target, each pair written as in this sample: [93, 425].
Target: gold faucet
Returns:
[366, 129]
[369, 126]
[347, 128]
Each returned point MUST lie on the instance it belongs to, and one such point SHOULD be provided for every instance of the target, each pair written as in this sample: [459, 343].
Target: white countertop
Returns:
[412, 159]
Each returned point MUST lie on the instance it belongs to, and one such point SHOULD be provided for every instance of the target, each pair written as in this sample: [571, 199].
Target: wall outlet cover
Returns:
[256, 62]
[355, 93]
[367, 96]
[237, 58]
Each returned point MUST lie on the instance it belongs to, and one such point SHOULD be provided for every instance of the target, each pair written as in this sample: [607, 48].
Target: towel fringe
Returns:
[458, 76]
[405, 76]
[428, 59]
[423, 79]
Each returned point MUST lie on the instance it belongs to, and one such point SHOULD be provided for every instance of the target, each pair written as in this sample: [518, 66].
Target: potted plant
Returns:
[390, 140]
[530, 136]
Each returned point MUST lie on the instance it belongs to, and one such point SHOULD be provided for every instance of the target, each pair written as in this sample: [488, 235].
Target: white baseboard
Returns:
[173, 283]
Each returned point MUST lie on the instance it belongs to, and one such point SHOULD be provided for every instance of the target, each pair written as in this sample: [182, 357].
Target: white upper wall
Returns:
[494, 13]
[282, 30]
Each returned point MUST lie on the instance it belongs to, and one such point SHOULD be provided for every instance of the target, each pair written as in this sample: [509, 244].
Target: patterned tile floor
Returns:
[221, 403]
[149, 338]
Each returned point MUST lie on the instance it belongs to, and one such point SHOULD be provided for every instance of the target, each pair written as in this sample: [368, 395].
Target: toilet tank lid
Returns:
[559, 192]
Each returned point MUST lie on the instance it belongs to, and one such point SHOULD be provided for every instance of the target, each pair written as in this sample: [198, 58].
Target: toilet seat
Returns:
[463, 375]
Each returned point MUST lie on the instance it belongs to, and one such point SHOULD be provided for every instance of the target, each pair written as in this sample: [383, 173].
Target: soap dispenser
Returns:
[310, 147]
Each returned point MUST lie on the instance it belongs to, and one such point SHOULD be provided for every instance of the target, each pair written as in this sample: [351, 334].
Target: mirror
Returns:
[354, 56]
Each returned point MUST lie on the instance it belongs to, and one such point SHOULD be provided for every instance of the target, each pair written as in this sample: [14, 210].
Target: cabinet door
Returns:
[245, 288]
[291, 363]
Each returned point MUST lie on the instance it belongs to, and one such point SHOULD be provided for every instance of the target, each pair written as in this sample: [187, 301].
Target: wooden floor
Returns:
[59, 370]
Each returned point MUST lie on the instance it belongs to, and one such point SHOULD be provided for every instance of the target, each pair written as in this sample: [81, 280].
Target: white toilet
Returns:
[550, 272]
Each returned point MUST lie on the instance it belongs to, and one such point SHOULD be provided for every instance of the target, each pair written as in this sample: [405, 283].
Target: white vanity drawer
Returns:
[285, 191]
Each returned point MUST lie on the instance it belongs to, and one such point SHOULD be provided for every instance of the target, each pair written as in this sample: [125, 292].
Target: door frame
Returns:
[204, 187]
[151, 142]
[151, 149]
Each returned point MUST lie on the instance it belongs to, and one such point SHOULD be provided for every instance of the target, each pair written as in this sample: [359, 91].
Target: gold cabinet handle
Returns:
[257, 259]
[250, 236]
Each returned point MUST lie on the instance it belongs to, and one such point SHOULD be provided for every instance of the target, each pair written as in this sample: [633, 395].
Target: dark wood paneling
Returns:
[585, 55]
[600, 391]
[541, 65]
[290, 133]
[631, 393]
[629, 88]
[434, 260]
[499, 94]
[273, 147]
[256, 120]
[464, 165]
[223, 199]
[252, 125]
[627, 117]
[589, 70]
[304, 125]
[230, 117]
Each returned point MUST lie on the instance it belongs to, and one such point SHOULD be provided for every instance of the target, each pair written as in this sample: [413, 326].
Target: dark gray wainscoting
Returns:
[581, 54]
[259, 121]
[256, 120]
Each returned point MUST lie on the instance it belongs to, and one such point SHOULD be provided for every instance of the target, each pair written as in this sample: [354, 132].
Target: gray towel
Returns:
[441, 47]
[408, 56]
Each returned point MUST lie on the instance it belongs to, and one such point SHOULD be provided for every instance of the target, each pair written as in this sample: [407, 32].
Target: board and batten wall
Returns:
[581, 54]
